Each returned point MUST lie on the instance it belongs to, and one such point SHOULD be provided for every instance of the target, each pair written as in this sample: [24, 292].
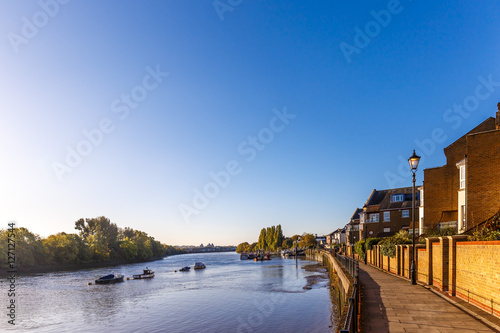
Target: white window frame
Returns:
[397, 197]
[374, 218]
[462, 176]
[403, 213]
[387, 229]
[387, 216]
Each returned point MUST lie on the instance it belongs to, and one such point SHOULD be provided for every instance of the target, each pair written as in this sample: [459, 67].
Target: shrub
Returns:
[359, 248]
[388, 245]
[370, 242]
[491, 230]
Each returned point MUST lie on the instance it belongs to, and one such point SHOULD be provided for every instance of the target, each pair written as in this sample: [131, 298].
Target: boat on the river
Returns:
[108, 279]
[199, 265]
[185, 269]
[147, 274]
[244, 256]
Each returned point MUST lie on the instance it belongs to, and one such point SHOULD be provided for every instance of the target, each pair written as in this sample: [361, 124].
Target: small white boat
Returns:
[244, 256]
[147, 274]
[199, 265]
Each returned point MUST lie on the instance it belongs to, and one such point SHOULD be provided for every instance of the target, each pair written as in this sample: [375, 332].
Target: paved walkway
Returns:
[392, 304]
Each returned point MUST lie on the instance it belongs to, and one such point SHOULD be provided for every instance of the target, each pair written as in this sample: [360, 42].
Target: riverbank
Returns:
[48, 268]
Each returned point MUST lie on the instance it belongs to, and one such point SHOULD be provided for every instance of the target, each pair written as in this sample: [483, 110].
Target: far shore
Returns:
[36, 269]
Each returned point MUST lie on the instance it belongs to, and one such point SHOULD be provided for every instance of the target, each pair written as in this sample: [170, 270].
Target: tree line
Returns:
[98, 240]
[272, 239]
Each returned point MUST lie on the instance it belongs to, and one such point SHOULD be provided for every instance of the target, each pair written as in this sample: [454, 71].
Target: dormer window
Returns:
[397, 197]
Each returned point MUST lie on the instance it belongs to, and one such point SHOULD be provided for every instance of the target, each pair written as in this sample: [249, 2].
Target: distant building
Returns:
[336, 237]
[321, 240]
[466, 191]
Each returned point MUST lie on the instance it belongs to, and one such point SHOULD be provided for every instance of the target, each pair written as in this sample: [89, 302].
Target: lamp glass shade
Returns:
[413, 161]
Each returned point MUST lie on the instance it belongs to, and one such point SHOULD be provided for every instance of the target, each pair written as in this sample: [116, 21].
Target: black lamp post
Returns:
[413, 161]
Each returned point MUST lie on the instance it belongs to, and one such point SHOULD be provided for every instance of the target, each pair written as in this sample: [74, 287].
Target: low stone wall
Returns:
[345, 280]
[468, 270]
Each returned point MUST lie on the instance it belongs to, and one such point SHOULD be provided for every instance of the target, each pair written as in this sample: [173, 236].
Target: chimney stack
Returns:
[497, 120]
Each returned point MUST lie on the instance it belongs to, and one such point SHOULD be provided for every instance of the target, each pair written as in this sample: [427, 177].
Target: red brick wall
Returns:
[483, 176]
[423, 261]
[437, 265]
[478, 273]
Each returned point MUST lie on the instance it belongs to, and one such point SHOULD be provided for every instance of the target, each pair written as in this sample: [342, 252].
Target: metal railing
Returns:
[351, 320]
[350, 264]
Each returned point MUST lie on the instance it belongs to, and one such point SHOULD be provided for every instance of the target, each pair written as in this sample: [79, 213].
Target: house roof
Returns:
[339, 230]
[355, 216]
[382, 199]
[487, 125]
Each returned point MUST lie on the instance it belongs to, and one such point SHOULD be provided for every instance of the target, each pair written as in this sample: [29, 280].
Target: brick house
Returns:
[352, 228]
[465, 191]
[388, 211]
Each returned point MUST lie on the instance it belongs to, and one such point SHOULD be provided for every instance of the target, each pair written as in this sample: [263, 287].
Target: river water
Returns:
[230, 295]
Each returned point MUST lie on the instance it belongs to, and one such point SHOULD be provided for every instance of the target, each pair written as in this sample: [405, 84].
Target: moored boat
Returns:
[108, 279]
[199, 265]
[244, 256]
[147, 274]
[185, 269]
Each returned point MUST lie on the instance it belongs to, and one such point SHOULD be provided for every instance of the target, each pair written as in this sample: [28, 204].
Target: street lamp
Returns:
[413, 161]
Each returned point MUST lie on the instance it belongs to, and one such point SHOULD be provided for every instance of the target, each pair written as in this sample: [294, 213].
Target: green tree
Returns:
[101, 236]
[261, 243]
[307, 240]
[28, 248]
[242, 247]
[287, 243]
[62, 248]
[130, 250]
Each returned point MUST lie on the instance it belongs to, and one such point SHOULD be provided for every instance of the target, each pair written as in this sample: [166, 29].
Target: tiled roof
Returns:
[382, 199]
[355, 216]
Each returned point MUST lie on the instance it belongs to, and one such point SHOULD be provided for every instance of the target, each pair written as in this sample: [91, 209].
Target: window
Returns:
[406, 213]
[387, 216]
[373, 218]
[397, 197]
[462, 176]
[387, 229]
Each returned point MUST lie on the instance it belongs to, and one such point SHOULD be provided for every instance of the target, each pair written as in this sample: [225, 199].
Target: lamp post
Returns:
[413, 161]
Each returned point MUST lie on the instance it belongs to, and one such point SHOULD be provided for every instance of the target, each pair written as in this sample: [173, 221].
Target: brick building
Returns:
[465, 191]
[352, 228]
[388, 211]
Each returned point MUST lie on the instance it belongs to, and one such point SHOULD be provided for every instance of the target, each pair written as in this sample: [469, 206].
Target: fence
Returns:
[351, 320]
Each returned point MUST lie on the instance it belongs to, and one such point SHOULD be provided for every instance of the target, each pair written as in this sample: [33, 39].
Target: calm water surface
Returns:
[230, 295]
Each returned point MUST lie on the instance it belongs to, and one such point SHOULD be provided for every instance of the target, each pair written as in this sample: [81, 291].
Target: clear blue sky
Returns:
[350, 105]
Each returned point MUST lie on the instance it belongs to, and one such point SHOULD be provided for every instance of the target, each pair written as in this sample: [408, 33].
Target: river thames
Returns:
[230, 295]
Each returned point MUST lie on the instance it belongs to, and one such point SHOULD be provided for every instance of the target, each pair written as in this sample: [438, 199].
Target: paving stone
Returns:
[391, 304]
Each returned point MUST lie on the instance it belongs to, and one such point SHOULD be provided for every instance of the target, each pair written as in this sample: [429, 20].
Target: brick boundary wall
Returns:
[464, 269]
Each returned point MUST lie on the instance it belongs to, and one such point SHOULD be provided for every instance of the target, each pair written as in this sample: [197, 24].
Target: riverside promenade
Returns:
[391, 304]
